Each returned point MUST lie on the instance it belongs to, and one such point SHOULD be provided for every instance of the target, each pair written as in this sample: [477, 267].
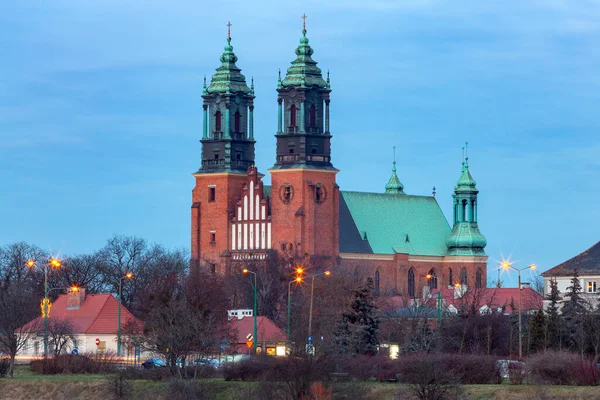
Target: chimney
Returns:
[75, 298]
[525, 285]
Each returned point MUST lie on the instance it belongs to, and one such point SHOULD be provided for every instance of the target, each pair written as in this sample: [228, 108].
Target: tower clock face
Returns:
[286, 193]
[320, 193]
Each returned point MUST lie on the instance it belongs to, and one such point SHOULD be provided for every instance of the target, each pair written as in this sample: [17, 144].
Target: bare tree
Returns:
[18, 307]
[60, 334]
[84, 270]
[183, 316]
[13, 264]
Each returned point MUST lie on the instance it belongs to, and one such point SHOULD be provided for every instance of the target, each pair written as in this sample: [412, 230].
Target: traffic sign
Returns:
[310, 340]
[249, 343]
[249, 337]
[97, 342]
[74, 352]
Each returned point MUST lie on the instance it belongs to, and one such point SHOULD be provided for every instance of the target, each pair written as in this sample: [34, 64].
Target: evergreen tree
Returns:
[573, 316]
[536, 328]
[553, 318]
[359, 327]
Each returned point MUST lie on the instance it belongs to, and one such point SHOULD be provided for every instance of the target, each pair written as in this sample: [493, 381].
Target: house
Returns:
[93, 319]
[587, 265]
[271, 339]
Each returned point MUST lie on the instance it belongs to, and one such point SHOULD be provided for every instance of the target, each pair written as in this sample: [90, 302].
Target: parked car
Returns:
[153, 363]
[206, 362]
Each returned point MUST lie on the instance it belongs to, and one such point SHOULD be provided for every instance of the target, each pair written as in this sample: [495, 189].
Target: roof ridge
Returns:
[386, 195]
[99, 311]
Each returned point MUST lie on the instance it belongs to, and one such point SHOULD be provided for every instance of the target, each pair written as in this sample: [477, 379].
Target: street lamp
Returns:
[312, 290]
[128, 275]
[52, 263]
[506, 265]
[246, 271]
[298, 281]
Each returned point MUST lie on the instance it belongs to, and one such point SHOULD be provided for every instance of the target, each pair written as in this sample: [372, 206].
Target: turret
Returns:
[394, 186]
[466, 239]
[228, 126]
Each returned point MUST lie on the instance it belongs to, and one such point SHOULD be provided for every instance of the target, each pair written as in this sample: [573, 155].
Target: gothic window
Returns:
[450, 279]
[236, 122]
[320, 193]
[478, 279]
[432, 279]
[218, 121]
[293, 115]
[377, 282]
[464, 210]
[411, 283]
[312, 116]
[463, 277]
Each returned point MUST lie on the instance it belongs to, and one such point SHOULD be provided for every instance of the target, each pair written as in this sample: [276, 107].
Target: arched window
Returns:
[218, 121]
[463, 277]
[432, 279]
[464, 210]
[312, 116]
[236, 122]
[450, 279]
[293, 115]
[411, 283]
[377, 282]
[478, 279]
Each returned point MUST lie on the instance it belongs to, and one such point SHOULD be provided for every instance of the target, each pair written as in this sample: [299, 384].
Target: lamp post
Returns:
[297, 280]
[246, 271]
[128, 275]
[506, 265]
[312, 290]
[52, 263]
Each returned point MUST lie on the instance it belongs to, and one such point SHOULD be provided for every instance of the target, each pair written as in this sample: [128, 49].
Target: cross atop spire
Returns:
[394, 186]
[228, 30]
[394, 163]
[304, 21]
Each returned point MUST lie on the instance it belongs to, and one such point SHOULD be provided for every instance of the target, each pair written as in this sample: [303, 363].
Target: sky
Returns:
[100, 111]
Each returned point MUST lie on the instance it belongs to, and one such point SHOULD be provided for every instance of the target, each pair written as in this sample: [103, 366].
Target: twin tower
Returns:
[236, 218]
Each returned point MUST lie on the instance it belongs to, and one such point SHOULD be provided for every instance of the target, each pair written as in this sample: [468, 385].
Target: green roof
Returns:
[228, 78]
[304, 71]
[377, 223]
[392, 224]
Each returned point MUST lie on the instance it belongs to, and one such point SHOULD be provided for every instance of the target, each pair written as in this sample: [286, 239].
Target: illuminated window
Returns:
[592, 287]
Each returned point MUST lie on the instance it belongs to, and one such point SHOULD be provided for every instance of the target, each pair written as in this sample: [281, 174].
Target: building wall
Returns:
[563, 282]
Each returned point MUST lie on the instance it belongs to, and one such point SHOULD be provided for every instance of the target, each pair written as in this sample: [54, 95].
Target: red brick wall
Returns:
[213, 216]
[393, 274]
[315, 231]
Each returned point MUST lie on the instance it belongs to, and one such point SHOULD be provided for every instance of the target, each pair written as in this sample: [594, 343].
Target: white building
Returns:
[587, 265]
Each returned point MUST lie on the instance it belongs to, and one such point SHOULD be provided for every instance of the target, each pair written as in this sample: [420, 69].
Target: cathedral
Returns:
[402, 241]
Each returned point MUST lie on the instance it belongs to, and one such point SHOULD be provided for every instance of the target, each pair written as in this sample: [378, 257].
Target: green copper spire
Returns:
[304, 71]
[394, 186]
[228, 79]
[466, 238]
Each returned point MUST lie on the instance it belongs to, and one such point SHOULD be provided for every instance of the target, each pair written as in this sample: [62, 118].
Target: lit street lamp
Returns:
[128, 275]
[312, 291]
[246, 271]
[298, 280]
[506, 265]
[52, 263]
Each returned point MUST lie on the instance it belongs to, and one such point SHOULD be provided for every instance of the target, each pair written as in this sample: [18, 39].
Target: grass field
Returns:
[28, 385]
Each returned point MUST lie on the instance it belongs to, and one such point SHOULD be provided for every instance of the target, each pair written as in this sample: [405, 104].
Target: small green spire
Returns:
[304, 70]
[394, 186]
[328, 81]
[466, 181]
[252, 86]
[204, 86]
[228, 79]
[279, 80]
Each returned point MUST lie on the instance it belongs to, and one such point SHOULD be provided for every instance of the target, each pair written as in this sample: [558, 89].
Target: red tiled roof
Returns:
[97, 315]
[494, 298]
[267, 330]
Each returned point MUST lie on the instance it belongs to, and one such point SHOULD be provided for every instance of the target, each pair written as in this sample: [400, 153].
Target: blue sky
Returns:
[100, 110]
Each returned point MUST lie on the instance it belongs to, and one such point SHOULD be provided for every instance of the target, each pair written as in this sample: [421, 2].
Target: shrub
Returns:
[178, 389]
[118, 386]
[4, 366]
[516, 372]
[556, 368]
[473, 369]
[364, 367]
[587, 373]
[153, 374]
[70, 364]
[251, 369]
[428, 376]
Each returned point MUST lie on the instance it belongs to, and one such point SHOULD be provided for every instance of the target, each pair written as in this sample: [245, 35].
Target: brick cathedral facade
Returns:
[402, 241]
